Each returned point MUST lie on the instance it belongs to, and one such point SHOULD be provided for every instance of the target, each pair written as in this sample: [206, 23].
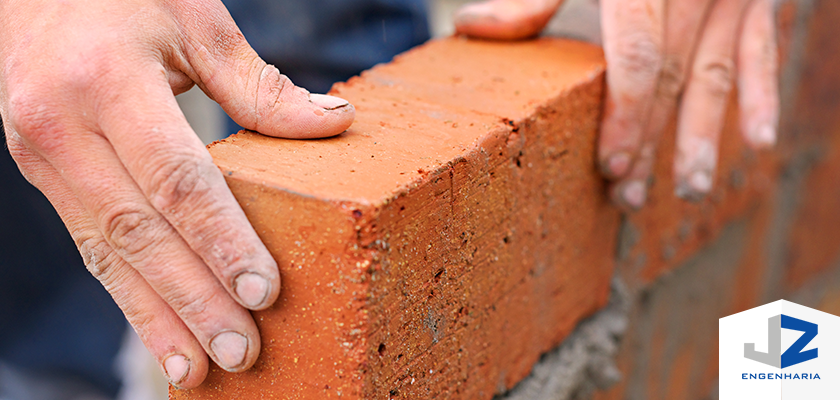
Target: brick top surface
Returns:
[429, 106]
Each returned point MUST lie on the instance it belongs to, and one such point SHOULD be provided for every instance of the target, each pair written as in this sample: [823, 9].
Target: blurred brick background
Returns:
[782, 241]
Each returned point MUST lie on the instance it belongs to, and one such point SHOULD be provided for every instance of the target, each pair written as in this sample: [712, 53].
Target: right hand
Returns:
[87, 98]
[664, 57]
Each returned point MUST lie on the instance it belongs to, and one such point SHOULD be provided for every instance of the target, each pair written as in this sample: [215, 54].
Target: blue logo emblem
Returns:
[794, 354]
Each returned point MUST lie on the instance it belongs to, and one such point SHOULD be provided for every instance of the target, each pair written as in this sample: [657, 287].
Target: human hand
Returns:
[664, 54]
[87, 97]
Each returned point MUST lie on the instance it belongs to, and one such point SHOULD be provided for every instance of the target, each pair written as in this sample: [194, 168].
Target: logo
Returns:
[794, 354]
[780, 350]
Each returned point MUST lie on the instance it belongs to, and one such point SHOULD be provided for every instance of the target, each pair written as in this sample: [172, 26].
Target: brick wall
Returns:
[781, 241]
[457, 242]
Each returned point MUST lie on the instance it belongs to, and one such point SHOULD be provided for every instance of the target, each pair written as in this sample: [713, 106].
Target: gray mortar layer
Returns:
[687, 304]
[585, 360]
[788, 202]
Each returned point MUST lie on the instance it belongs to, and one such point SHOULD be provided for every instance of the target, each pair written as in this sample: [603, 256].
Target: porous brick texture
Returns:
[458, 238]
[445, 241]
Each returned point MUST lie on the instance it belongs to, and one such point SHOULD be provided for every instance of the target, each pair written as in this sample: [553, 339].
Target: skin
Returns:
[87, 97]
[664, 57]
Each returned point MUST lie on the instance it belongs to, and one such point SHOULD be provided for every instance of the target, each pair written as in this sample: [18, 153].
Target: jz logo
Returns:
[794, 354]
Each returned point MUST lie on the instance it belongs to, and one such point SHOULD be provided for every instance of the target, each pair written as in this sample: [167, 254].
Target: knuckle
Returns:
[178, 181]
[229, 39]
[272, 89]
[769, 56]
[280, 83]
[37, 114]
[103, 58]
[227, 260]
[192, 305]
[717, 76]
[96, 254]
[234, 261]
[639, 54]
[31, 117]
[671, 78]
[130, 230]
[24, 157]
[15, 143]
[142, 321]
[38, 108]
[84, 75]
[648, 151]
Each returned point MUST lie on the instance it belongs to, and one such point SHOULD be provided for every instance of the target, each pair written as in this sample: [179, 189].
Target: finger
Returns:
[176, 173]
[178, 353]
[630, 193]
[255, 95]
[505, 19]
[147, 242]
[705, 100]
[683, 22]
[758, 94]
[633, 32]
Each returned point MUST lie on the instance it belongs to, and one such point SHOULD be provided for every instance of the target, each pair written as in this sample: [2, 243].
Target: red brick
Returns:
[814, 135]
[812, 100]
[785, 26]
[814, 239]
[456, 232]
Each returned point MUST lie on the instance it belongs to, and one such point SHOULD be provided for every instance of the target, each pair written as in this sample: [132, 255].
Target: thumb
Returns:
[505, 19]
[268, 102]
[256, 95]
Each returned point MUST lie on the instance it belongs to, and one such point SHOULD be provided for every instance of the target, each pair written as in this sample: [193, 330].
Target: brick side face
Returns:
[311, 345]
[444, 242]
[496, 264]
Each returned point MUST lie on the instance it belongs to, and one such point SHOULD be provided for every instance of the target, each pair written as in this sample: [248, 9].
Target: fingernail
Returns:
[328, 102]
[696, 186]
[475, 13]
[764, 135]
[634, 194]
[700, 181]
[229, 348]
[251, 288]
[176, 367]
[617, 165]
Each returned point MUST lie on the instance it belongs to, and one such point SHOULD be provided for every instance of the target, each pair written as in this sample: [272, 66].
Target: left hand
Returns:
[87, 97]
[662, 55]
